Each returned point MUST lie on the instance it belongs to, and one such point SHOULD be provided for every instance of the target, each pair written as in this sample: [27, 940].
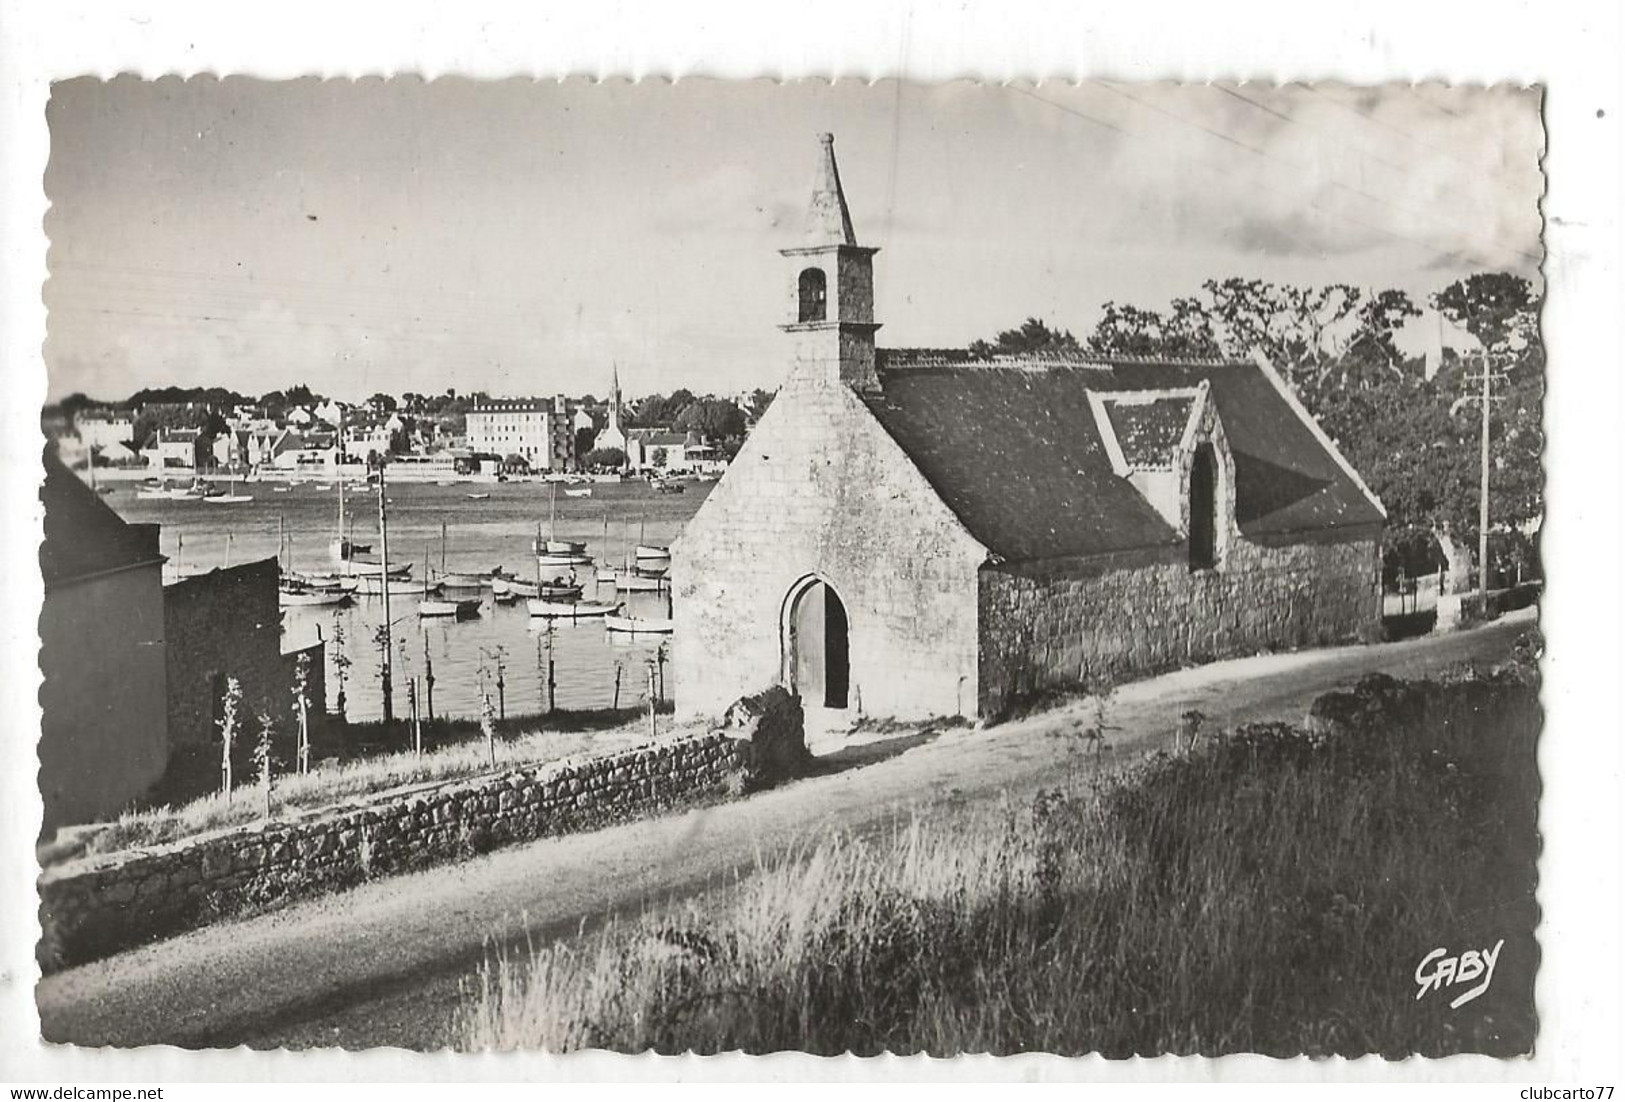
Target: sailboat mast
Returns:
[341, 482]
[383, 578]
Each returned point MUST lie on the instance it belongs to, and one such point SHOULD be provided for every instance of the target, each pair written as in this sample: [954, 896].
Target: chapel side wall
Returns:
[1066, 625]
[819, 488]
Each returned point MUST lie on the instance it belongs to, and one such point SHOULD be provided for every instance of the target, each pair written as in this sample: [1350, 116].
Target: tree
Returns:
[584, 439]
[1031, 338]
[381, 403]
[605, 459]
[1185, 332]
[1502, 313]
[713, 418]
[759, 401]
[658, 409]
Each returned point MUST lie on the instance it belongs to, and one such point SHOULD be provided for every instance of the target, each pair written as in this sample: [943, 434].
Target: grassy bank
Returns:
[1270, 891]
[458, 750]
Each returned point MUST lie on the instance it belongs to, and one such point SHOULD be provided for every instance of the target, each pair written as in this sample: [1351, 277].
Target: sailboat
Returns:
[640, 575]
[554, 552]
[231, 496]
[457, 579]
[649, 555]
[296, 591]
[570, 610]
[445, 606]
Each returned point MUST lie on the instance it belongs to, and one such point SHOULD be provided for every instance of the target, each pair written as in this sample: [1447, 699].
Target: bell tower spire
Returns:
[832, 291]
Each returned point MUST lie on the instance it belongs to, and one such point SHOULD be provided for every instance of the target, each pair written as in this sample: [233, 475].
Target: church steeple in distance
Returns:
[831, 314]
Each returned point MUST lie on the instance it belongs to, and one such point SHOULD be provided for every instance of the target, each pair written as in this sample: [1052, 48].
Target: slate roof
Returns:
[1149, 432]
[82, 535]
[1015, 452]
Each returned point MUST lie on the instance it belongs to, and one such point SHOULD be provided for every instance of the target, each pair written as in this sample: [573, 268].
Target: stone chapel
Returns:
[915, 535]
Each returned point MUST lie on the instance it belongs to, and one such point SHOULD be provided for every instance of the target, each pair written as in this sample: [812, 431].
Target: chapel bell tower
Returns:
[831, 314]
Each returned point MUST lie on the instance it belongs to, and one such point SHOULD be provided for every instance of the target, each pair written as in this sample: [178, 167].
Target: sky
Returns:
[522, 237]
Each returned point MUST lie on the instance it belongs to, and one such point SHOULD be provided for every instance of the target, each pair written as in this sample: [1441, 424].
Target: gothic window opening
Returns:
[1204, 509]
[813, 295]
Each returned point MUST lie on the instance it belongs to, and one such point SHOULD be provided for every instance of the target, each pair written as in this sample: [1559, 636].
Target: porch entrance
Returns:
[817, 665]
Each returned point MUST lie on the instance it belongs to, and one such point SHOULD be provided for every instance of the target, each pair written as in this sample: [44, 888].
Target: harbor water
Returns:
[467, 655]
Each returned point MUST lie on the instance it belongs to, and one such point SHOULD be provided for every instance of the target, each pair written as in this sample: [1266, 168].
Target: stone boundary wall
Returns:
[1066, 627]
[97, 906]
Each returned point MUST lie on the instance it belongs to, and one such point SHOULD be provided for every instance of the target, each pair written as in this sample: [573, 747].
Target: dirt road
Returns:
[385, 963]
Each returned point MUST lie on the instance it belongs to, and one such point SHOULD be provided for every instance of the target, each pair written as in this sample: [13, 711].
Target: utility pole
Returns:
[1484, 491]
[383, 580]
[1485, 378]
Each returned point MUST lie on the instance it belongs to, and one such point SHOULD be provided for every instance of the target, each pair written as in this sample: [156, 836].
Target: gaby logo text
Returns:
[1439, 969]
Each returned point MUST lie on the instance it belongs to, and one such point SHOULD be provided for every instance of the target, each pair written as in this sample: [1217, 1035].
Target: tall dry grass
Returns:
[1270, 892]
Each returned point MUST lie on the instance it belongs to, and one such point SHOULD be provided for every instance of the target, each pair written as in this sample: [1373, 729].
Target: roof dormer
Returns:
[1170, 445]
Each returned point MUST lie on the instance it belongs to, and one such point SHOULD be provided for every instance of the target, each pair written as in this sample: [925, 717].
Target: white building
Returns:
[538, 431]
[106, 433]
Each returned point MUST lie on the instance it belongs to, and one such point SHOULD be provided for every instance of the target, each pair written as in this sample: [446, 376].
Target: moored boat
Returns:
[372, 585]
[570, 610]
[584, 491]
[453, 579]
[298, 596]
[634, 581]
[367, 568]
[650, 552]
[636, 625]
[439, 606]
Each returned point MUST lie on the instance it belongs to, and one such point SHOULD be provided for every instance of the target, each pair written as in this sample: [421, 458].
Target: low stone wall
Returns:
[1064, 627]
[97, 906]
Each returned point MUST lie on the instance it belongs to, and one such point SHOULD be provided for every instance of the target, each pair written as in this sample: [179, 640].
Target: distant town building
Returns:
[103, 741]
[174, 450]
[112, 435]
[910, 537]
[538, 431]
[651, 450]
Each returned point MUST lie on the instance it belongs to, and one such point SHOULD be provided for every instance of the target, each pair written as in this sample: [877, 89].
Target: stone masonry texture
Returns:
[96, 906]
[821, 491]
[1062, 627]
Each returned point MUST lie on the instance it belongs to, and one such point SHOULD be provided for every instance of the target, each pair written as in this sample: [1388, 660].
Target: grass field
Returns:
[1271, 890]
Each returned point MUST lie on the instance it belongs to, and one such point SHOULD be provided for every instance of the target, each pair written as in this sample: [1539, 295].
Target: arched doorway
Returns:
[817, 659]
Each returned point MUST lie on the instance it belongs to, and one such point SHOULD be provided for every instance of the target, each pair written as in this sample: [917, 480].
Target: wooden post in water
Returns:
[653, 730]
[615, 703]
[417, 726]
[428, 675]
[552, 681]
[502, 695]
[488, 728]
